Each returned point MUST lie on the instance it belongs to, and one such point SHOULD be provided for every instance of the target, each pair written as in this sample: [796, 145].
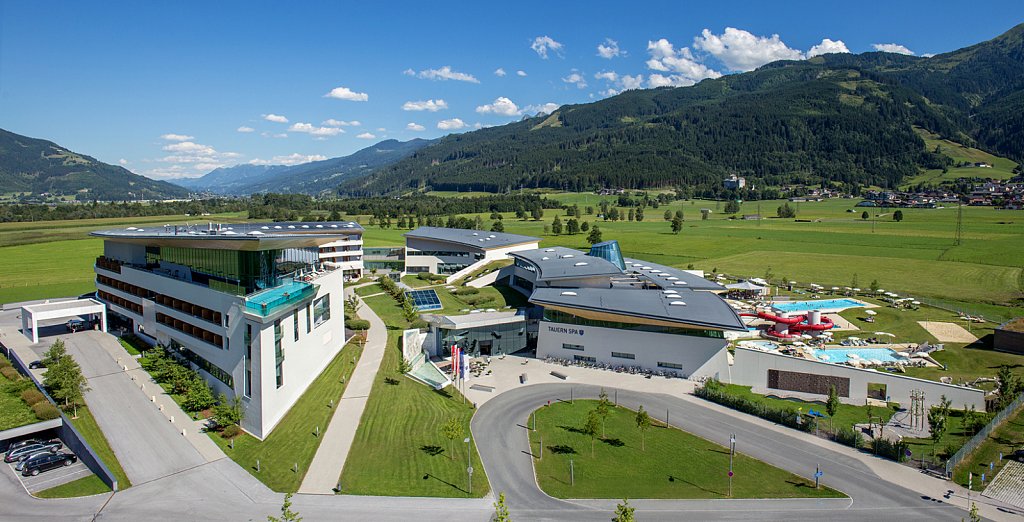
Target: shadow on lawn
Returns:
[616, 443]
[572, 429]
[673, 478]
[562, 449]
[432, 449]
[453, 486]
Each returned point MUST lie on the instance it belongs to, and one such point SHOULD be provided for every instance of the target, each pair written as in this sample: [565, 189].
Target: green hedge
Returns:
[467, 290]
[32, 396]
[891, 450]
[712, 391]
[848, 436]
[45, 411]
[357, 324]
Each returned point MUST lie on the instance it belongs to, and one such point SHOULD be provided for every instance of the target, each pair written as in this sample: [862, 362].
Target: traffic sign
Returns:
[909, 453]
[730, 473]
[469, 470]
[818, 473]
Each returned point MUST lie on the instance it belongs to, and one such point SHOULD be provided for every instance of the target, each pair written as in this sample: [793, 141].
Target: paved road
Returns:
[325, 469]
[500, 435]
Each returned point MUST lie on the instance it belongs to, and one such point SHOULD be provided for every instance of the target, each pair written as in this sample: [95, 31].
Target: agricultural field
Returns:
[1002, 168]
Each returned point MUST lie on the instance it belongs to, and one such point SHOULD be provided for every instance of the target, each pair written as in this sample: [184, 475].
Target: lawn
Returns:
[1008, 437]
[93, 435]
[364, 291]
[847, 415]
[663, 463]
[85, 486]
[294, 440]
[950, 442]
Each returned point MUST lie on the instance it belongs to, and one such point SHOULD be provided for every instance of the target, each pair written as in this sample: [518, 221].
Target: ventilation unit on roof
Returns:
[319, 226]
[571, 294]
[492, 236]
[334, 226]
[265, 227]
[131, 228]
[277, 227]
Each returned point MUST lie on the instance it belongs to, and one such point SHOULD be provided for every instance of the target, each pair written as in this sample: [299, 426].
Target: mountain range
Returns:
[836, 118]
[39, 166]
[307, 178]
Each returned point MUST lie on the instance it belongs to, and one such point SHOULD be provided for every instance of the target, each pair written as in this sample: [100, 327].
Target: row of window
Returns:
[559, 316]
[122, 302]
[191, 330]
[205, 365]
[444, 253]
[185, 307]
[617, 355]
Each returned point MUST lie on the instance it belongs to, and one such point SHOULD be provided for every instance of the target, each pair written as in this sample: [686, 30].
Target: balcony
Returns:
[268, 301]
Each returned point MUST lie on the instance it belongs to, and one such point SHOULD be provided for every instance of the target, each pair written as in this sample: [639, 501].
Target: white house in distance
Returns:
[456, 252]
[256, 308]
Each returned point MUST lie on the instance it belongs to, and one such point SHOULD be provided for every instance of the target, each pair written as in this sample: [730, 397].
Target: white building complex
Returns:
[256, 308]
[456, 252]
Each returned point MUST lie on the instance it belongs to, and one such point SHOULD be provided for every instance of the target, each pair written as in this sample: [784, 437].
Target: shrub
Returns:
[950, 450]
[891, 450]
[199, 397]
[785, 416]
[849, 437]
[437, 277]
[10, 373]
[231, 431]
[4, 363]
[478, 300]
[467, 290]
[227, 412]
[45, 411]
[424, 276]
[420, 324]
[357, 324]
[32, 396]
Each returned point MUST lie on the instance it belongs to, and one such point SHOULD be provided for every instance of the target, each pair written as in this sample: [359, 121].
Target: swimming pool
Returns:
[825, 305]
[766, 345]
[289, 291]
[842, 355]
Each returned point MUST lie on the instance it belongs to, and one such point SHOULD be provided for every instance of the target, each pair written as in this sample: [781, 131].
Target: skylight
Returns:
[677, 303]
[571, 294]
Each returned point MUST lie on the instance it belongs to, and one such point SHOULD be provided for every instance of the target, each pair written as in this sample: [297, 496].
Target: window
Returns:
[203, 364]
[623, 355]
[295, 324]
[559, 316]
[309, 318]
[278, 354]
[584, 358]
[247, 362]
[322, 310]
[577, 347]
[674, 366]
[522, 282]
[417, 269]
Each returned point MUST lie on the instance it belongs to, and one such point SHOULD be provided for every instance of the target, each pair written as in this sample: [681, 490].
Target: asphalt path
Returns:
[499, 429]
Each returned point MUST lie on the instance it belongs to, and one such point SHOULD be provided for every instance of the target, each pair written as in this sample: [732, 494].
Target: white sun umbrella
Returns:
[835, 288]
[856, 289]
[880, 291]
[870, 312]
[887, 334]
[915, 302]
[852, 338]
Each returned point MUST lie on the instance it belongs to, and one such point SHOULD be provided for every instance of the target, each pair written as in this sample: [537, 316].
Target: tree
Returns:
[639, 213]
[495, 216]
[520, 213]
[970, 419]
[584, 227]
[897, 216]
[786, 211]
[199, 396]
[832, 406]
[732, 207]
[572, 226]
[936, 425]
[335, 216]
[874, 286]
[679, 214]
[501, 510]
[1009, 386]
[668, 215]
[975, 517]
[590, 211]
[478, 223]
[604, 409]
[624, 512]
[409, 311]
[853, 282]
[632, 214]
[864, 215]
[63, 377]
[498, 226]
[452, 430]
[287, 515]
[595, 235]
[227, 412]
[536, 213]
[677, 225]
[56, 351]
[591, 427]
[556, 226]
[643, 423]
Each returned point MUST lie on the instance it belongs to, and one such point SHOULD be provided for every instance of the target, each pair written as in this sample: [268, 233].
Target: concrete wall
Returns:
[1007, 341]
[751, 369]
[698, 356]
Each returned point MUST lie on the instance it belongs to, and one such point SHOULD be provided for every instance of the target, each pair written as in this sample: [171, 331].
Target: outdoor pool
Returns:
[825, 305]
[765, 345]
[842, 355]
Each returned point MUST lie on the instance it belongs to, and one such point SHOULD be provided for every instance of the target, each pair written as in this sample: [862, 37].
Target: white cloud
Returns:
[546, 108]
[927, 55]
[619, 83]
[892, 48]
[576, 79]
[452, 124]
[177, 137]
[683, 67]
[499, 72]
[542, 44]
[425, 105]
[276, 118]
[366, 136]
[501, 105]
[313, 130]
[443, 74]
[244, 128]
[189, 159]
[610, 76]
[291, 159]
[416, 127]
[827, 46]
[609, 49]
[340, 123]
[122, 162]
[189, 147]
[344, 93]
[521, 73]
[740, 50]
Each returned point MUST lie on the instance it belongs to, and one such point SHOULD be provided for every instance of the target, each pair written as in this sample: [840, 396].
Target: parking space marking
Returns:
[52, 478]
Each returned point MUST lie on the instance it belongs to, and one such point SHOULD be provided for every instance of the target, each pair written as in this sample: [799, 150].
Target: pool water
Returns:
[768, 345]
[823, 305]
[842, 355]
[288, 289]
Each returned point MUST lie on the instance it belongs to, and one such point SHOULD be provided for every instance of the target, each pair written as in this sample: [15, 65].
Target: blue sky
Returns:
[173, 89]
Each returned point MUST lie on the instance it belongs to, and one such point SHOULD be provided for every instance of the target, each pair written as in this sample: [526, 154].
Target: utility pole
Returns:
[732, 451]
[959, 224]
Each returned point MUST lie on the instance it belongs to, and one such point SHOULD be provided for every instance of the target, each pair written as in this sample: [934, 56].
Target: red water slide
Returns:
[796, 324]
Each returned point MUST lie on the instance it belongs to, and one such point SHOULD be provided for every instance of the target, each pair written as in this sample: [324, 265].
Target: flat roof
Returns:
[477, 320]
[235, 230]
[669, 277]
[61, 305]
[472, 238]
[566, 263]
[702, 309]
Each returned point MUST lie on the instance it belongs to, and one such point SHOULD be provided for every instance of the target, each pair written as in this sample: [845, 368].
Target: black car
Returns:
[1017, 455]
[36, 364]
[47, 462]
[16, 454]
[75, 325]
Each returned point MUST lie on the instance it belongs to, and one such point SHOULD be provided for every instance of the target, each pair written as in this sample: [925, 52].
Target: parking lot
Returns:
[51, 478]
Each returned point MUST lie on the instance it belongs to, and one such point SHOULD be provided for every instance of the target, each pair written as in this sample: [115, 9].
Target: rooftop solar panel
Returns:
[425, 300]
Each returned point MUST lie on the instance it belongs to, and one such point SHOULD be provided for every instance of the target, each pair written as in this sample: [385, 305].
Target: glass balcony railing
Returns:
[268, 301]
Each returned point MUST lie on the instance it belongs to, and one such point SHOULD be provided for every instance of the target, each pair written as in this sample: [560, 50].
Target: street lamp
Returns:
[469, 466]
[732, 451]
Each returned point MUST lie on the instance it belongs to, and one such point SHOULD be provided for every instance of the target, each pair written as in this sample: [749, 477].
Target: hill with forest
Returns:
[842, 119]
[40, 166]
[306, 178]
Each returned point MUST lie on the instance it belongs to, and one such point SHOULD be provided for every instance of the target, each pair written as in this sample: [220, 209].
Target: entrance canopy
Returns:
[31, 315]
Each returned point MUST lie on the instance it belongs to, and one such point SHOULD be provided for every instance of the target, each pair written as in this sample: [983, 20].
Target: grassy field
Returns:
[294, 440]
[1002, 168]
[1006, 438]
[93, 435]
[13, 411]
[83, 487]
[668, 463]
[398, 449]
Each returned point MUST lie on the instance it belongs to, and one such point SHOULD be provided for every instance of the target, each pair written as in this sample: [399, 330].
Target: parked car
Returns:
[36, 365]
[75, 325]
[90, 295]
[23, 443]
[21, 461]
[47, 462]
[16, 454]
[1017, 455]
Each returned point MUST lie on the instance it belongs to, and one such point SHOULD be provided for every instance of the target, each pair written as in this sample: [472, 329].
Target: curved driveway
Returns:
[499, 430]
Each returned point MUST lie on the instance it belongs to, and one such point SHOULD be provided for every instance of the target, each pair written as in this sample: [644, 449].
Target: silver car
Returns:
[17, 454]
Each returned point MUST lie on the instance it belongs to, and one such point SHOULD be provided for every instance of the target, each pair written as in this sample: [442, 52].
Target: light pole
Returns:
[732, 451]
[469, 466]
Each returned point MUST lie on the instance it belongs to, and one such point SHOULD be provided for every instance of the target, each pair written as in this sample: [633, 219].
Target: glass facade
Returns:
[322, 310]
[203, 364]
[247, 362]
[494, 339]
[559, 316]
[609, 250]
[233, 271]
[278, 354]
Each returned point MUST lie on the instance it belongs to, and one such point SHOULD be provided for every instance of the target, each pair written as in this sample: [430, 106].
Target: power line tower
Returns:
[959, 224]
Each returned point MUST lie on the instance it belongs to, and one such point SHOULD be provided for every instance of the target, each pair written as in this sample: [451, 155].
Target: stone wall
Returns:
[807, 382]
